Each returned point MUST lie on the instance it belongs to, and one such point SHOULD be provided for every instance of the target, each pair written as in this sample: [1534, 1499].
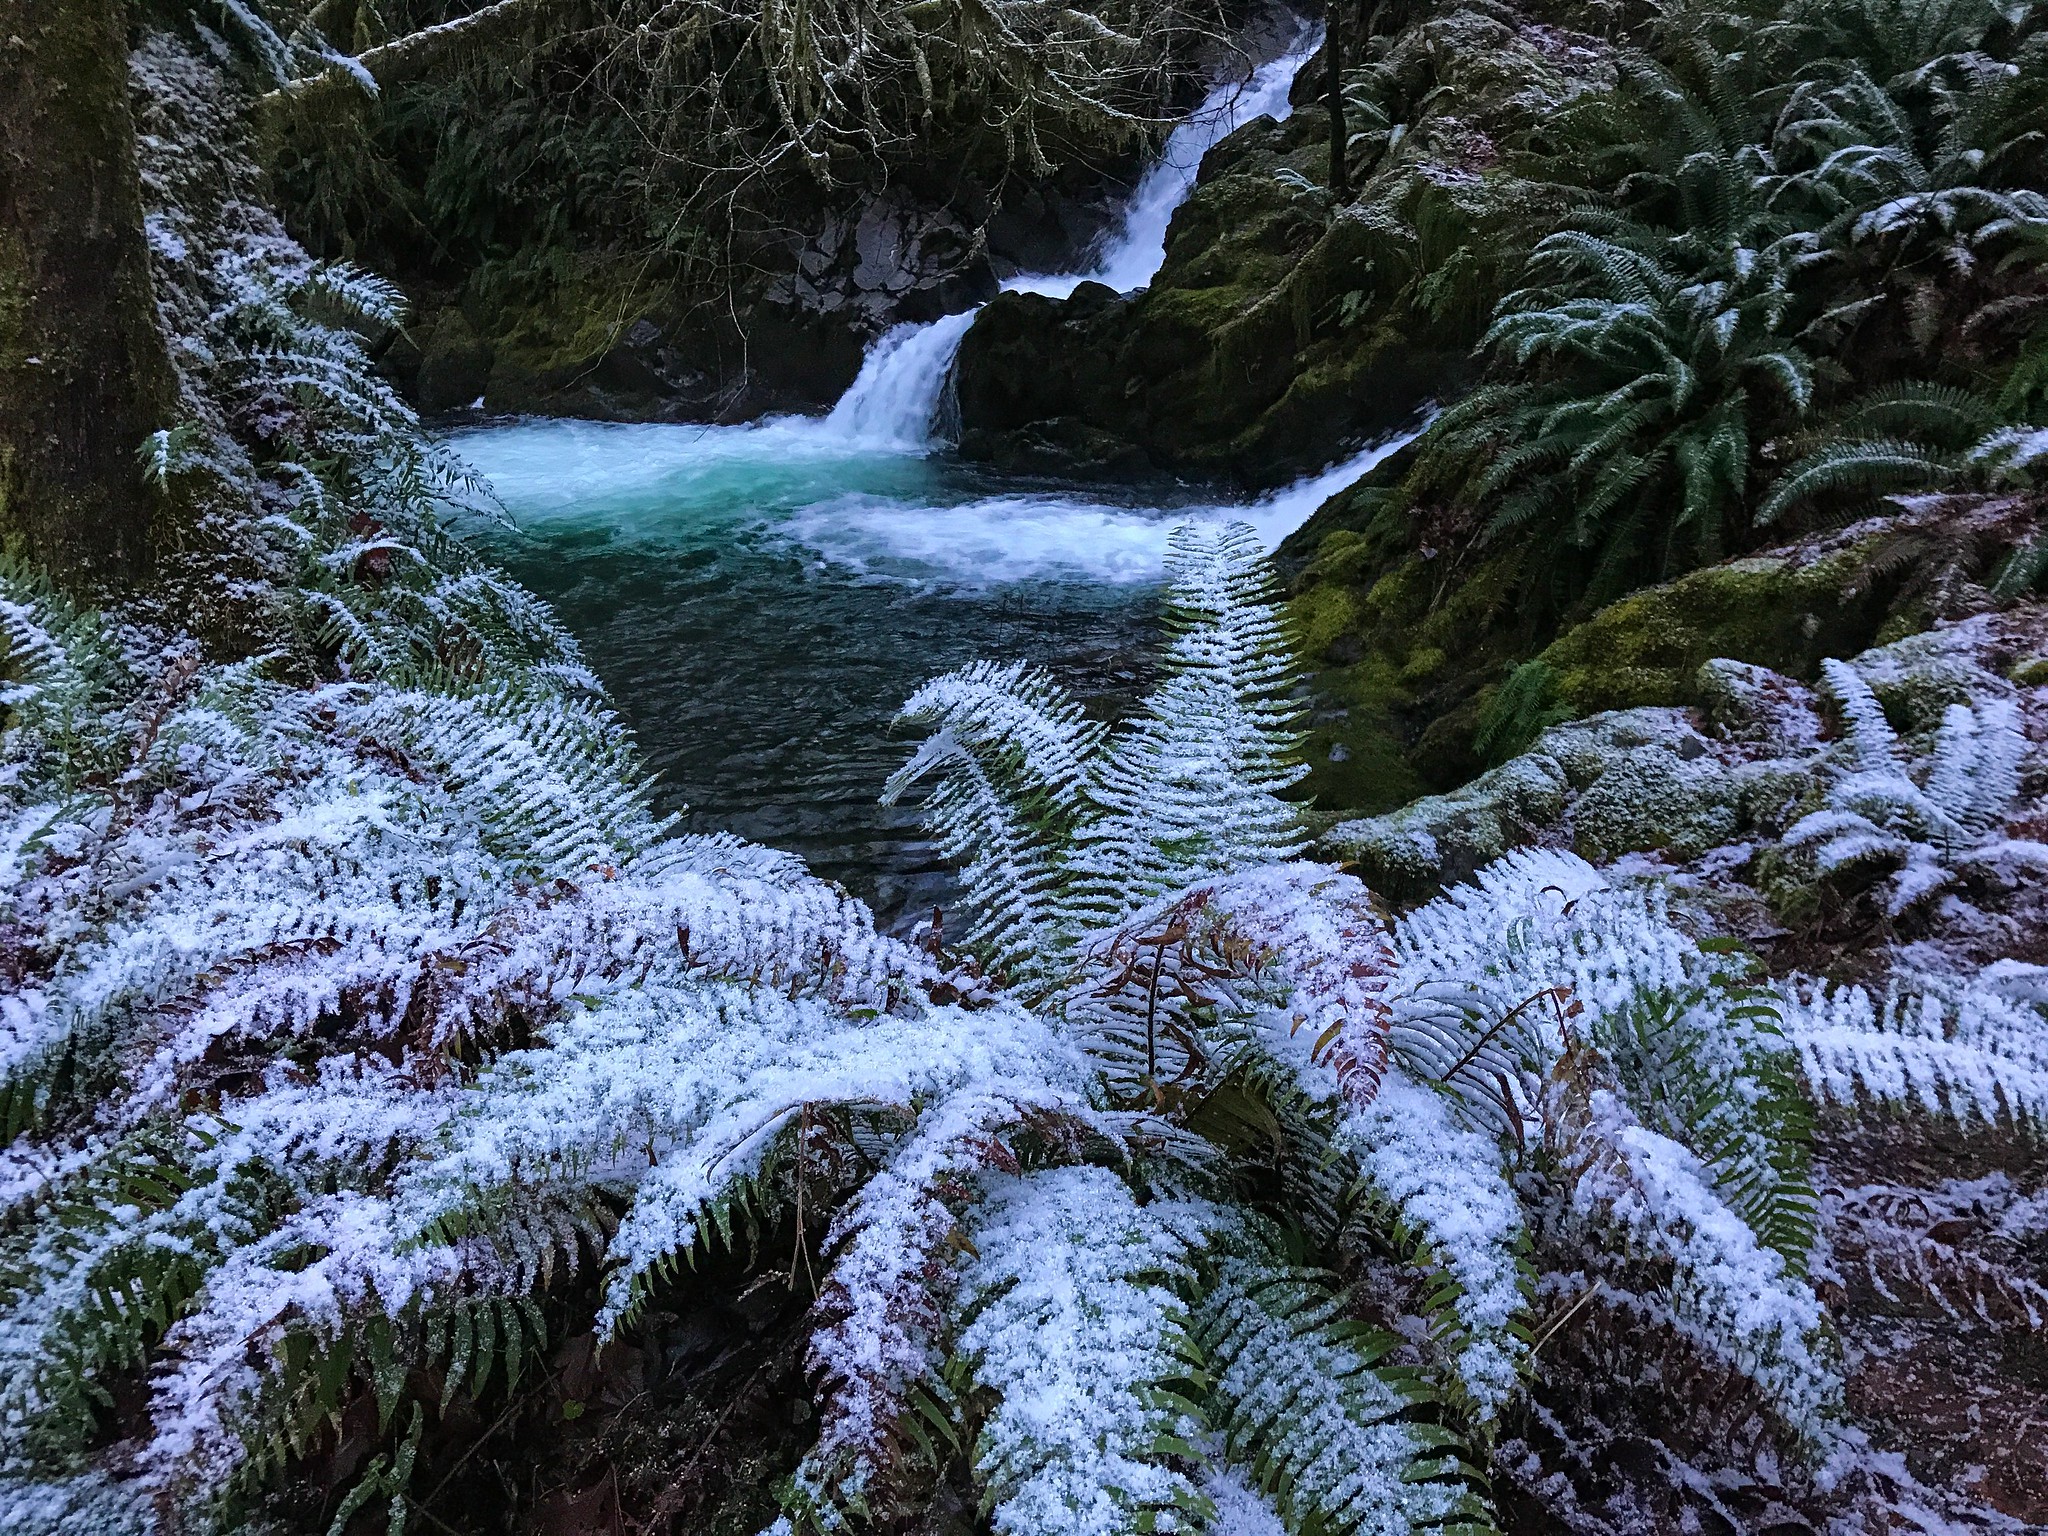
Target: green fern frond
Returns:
[1863, 467]
[1752, 1128]
[1306, 1404]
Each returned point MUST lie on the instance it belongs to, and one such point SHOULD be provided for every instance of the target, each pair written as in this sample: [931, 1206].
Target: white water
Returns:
[993, 541]
[761, 598]
[894, 401]
[1131, 257]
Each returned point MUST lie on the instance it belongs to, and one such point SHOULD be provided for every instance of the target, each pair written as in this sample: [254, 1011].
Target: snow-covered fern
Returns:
[1974, 1048]
[1922, 835]
[1331, 1435]
[1074, 1321]
[1060, 827]
[1540, 1056]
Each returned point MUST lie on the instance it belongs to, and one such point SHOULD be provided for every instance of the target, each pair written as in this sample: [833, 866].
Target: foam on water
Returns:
[867, 511]
[987, 542]
[991, 541]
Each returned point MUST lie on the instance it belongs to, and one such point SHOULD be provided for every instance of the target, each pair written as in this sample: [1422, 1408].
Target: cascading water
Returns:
[760, 598]
[894, 401]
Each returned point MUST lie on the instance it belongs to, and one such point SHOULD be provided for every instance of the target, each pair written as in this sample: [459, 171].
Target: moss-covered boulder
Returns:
[455, 364]
[1431, 664]
[1783, 610]
[1441, 839]
[1286, 321]
[1625, 781]
[1228, 365]
[1401, 637]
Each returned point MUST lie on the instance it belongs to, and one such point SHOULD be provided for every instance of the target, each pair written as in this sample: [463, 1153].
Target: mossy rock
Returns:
[1777, 610]
[1656, 799]
[1232, 363]
[455, 364]
[1354, 748]
[1407, 854]
[1753, 704]
[1918, 678]
[1627, 781]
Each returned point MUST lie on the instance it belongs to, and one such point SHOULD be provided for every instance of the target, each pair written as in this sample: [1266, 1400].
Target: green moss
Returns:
[1321, 616]
[1359, 770]
[1202, 310]
[1360, 724]
[1400, 593]
[1770, 610]
[1422, 664]
[1409, 853]
[84, 372]
[2032, 672]
[580, 320]
[1469, 610]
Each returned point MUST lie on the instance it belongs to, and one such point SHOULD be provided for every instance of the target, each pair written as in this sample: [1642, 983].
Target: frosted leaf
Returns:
[1974, 1048]
[1304, 1406]
[1450, 1187]
[1730, 1291]
[1073, 1321]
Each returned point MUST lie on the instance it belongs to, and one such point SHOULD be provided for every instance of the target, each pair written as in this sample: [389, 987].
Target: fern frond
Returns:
[1013, 757]
[1869, 467]
[1974, 776]
[1872, 740]
[1735, 1295]
[1074, 1324]
[1711, 1069]
[1458, 1217]
[1305, 1405]
[1966, 1050]
[883, 1313]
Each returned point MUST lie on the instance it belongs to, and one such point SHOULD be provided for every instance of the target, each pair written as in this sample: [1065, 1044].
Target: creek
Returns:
[760, 599]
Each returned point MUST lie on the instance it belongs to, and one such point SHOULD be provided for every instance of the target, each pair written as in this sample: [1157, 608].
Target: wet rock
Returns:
[1064, 445]
[1227, 365]
[455, 365]
[1040, 228]
[893, 259]
[399, 359]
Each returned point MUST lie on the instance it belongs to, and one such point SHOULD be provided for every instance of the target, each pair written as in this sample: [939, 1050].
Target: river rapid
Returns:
[760, 599]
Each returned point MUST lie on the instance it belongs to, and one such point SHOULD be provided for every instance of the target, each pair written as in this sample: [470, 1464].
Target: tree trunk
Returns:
[84, 373]
[1333, 87]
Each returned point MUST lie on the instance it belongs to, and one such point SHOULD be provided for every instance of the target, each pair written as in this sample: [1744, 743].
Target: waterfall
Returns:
[892, 403]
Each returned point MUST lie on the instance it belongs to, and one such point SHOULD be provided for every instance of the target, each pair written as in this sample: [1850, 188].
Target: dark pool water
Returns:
[760, 600]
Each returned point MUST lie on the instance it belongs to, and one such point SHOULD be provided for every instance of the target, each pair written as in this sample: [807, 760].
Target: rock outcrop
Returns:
[1287, 322]
[1226, 366]
[615, 341]
[1432, 666]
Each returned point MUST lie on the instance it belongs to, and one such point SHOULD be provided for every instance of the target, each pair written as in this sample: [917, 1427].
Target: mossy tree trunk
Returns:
[84, 372]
